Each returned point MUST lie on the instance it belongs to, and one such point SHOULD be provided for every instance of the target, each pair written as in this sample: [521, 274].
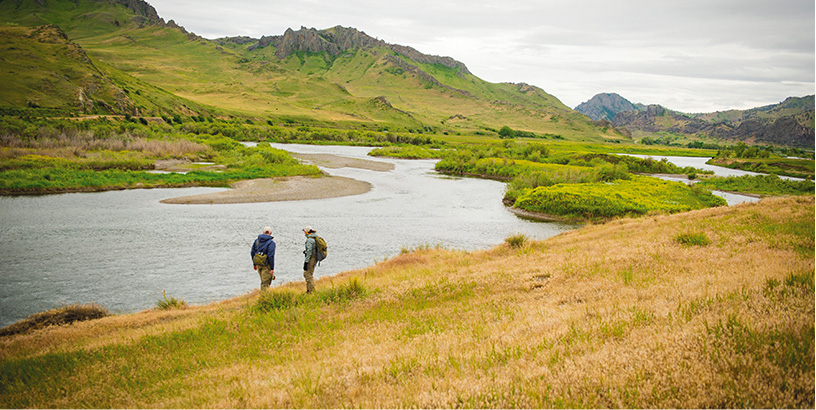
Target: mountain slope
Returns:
[788, 123]
[605, 106]
[45, 70]
[339, 76]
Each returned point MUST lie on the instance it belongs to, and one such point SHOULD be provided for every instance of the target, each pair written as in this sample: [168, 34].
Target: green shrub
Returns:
[166, 303]
[599, 200]
[406, 152]
[692, 239]
[803, 279]
[760, 184]
[279, 299]
[517, 240]
[351, 290]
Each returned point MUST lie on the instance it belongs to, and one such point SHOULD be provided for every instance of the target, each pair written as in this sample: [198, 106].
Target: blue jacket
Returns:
[264, 244]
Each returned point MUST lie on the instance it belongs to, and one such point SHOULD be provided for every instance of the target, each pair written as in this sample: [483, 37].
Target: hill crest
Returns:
[335, 41]
[605, 106]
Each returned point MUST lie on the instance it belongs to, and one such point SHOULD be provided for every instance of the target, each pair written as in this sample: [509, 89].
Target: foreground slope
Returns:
[625, 314]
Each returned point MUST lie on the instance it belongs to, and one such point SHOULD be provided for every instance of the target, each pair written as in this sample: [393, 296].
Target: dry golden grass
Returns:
[73, 143]
[613, 315]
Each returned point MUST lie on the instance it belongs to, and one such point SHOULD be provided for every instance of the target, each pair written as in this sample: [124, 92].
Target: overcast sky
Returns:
[687, 55]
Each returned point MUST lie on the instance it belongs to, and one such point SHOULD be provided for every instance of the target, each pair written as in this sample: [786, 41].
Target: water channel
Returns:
[121, 249]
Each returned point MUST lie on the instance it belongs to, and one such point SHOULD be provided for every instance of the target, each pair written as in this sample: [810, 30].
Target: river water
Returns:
[700, 163]
[121, 249]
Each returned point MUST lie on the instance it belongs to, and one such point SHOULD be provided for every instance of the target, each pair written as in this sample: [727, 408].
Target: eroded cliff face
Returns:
[337, 40]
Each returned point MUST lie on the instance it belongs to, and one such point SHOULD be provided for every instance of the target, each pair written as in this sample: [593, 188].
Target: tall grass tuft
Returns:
[54, 317]
[277, 300]
[422, 247]
[351, 290]
[282, 299]
[692, 239]
[517, 241]
[166, 303]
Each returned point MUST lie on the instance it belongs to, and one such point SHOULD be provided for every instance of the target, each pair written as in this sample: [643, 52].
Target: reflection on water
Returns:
[121, 249]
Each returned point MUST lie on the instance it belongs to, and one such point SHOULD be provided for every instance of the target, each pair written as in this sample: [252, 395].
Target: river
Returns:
[700, 163]
[121, 249]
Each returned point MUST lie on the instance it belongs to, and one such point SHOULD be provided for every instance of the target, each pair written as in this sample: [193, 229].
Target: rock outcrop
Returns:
[605, 106]
[337, 40]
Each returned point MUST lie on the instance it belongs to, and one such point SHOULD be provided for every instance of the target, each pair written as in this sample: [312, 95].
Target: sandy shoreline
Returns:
[295, 188]
[335, 161]
[279, 189]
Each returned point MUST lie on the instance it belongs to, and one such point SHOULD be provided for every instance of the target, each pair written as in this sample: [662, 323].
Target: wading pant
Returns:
[266, 276]
[308, 274]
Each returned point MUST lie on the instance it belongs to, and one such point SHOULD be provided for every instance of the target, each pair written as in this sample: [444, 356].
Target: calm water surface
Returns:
[121, 249]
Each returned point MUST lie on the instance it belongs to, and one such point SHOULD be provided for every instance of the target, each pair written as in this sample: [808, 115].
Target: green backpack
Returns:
[259, 258]
[321, 247]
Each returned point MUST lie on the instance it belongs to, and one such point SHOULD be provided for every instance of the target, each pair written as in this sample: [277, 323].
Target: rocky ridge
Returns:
[790, 122]
[605, 106]
[337, 40]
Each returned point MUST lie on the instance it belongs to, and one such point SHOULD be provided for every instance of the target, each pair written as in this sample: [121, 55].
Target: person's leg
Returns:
[266, 276]
[308, 274]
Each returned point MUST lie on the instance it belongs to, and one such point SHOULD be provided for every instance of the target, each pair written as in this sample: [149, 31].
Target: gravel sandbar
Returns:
[279, 189]
[336, 161]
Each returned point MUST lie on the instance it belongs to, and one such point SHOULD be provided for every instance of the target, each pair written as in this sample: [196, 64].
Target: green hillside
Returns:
[134, 62]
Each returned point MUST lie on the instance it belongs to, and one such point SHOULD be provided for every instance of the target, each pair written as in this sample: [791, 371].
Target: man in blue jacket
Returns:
[263, 257]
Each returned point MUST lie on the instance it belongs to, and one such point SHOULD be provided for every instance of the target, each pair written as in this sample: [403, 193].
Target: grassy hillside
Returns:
[42, 68]
[371, 87]
[711, 308]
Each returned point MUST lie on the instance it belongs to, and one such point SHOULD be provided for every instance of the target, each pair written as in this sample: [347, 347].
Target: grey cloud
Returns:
[574, 46]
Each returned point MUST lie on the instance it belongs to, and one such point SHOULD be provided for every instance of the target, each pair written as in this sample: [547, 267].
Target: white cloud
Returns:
[693, 56]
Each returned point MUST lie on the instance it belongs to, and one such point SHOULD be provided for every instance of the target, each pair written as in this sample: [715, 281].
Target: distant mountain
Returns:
[605, 106]
[339, 77]
[790, 122]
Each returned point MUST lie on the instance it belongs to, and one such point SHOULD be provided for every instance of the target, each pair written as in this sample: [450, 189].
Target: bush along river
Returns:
[122, 249]
[700, 163]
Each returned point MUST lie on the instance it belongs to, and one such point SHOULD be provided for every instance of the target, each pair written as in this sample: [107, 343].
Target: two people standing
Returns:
[263, 257]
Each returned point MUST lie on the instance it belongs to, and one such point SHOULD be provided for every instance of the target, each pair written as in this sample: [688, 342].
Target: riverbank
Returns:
[291, 188]
[279, 189]
[626, 314]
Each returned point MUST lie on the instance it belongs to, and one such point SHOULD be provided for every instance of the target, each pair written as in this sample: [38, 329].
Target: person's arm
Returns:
[270, 255]
[252, 254]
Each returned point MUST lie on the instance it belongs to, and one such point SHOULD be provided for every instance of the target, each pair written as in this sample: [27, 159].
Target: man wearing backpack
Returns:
[263, 257]
[312, 257]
